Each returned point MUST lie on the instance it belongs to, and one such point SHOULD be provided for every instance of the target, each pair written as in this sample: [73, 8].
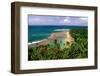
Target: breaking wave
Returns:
[62, 30]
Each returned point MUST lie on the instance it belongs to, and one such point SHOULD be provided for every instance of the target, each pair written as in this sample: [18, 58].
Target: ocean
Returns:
[39, 32]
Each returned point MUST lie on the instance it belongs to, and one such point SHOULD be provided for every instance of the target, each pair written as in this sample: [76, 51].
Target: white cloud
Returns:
[85, 19]
[67, 20]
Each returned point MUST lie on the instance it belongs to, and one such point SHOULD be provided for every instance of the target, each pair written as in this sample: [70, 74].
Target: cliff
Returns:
[55, 36]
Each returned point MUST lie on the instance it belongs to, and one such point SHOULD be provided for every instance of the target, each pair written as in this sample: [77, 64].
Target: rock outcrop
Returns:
[56, 36]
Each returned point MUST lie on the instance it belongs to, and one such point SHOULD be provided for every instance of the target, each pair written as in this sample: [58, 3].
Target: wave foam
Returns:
[62, 30]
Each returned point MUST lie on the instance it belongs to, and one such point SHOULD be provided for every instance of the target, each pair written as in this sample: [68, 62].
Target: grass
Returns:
[79, 49]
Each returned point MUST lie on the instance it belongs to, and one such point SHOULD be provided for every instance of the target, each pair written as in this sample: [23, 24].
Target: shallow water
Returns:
[36, 33]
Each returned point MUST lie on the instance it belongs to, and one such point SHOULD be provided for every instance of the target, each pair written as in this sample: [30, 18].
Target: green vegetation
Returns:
[79, 49]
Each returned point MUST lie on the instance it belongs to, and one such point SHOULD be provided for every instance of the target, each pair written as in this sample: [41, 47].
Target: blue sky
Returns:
[57, 20]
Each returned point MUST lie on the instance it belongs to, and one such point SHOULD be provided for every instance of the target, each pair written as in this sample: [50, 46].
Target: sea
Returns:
[40, 32]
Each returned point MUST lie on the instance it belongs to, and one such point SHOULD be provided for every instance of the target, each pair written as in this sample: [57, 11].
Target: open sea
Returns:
[40, 32]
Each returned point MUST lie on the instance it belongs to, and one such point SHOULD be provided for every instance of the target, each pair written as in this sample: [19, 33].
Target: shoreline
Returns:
[34, 42]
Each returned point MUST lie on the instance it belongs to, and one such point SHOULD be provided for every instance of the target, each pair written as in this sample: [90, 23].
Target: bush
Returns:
[79, 49]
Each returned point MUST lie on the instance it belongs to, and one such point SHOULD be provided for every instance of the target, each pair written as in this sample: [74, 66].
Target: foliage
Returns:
[79, 49]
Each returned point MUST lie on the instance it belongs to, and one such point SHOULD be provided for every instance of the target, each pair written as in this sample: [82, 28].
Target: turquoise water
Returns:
[36, 33]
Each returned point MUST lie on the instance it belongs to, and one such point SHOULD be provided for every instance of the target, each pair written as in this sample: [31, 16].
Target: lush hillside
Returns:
[78, 49]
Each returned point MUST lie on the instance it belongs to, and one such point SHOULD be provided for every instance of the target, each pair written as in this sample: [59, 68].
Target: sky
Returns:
[57, 20]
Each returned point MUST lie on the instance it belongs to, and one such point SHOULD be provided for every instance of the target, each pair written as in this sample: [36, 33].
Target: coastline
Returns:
[66, 33]
[72, 44]
[34, 42]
